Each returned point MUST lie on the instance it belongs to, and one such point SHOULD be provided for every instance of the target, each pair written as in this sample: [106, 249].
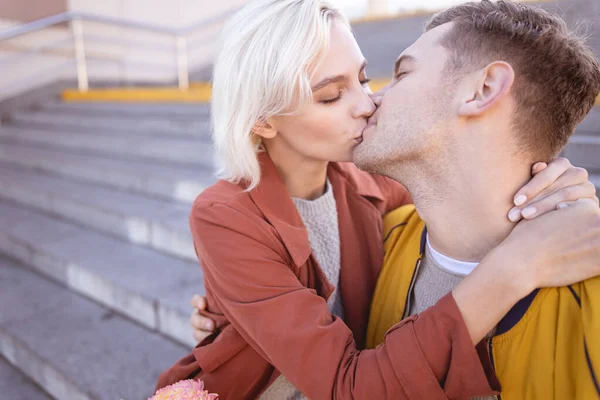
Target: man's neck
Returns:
[465, 206]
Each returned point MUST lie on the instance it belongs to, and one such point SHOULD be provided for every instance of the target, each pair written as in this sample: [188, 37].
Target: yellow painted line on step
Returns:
[199, 92]
[140, 95]
[378, 84]
[201, 85]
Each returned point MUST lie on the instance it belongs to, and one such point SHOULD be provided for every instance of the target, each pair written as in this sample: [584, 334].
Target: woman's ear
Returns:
[265, 129]
[493, 85]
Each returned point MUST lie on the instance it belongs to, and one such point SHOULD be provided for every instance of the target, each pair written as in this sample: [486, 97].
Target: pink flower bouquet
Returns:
[184, 390]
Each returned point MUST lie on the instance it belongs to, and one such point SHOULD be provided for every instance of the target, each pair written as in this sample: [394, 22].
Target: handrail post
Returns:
[80, 59]
[183, 78]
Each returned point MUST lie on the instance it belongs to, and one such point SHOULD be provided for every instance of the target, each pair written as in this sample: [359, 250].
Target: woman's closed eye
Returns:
[363, 82]
[332, 100]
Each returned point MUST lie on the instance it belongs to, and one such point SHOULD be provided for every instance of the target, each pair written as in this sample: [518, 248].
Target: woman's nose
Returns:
[366, 107]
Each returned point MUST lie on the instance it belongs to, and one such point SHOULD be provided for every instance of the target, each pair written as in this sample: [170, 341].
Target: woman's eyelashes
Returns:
[333, 100]
[330, 101]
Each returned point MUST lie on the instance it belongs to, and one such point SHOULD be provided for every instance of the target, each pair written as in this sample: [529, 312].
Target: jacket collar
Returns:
[274, 201]
[360, 181]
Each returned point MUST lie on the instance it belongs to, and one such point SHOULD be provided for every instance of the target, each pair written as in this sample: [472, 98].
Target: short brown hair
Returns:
[557, 77]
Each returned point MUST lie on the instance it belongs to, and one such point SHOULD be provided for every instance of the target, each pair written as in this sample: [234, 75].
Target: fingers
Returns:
[573, 176]
[569, 182]
[514, 214]
[544, 179]
[558, 199]
[538, 167]
[201, 323]
[199, 336]
[581, 202]
[198, 302]
[592, 202]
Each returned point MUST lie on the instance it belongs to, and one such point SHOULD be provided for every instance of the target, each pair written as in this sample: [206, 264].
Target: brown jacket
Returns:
[268, 295]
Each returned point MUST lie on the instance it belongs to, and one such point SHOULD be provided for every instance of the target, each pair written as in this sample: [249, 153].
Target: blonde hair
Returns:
[269, 50]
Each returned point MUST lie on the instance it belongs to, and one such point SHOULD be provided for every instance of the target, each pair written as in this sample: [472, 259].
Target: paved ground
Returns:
[15, 385]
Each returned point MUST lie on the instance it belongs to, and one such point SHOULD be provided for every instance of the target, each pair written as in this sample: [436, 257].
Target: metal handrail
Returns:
[103, 19]
[76, 18]
[40, 24]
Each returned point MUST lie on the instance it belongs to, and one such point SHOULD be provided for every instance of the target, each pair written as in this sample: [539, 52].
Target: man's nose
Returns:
[377, 97]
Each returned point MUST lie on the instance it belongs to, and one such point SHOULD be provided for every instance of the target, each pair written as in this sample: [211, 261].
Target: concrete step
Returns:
[175, 150]
[159, 224]
[584, 151]
[151, 288]
[591, 124]
[182, 183]
[170, 110]
[74, 348]
[123, 123]
[15, 385]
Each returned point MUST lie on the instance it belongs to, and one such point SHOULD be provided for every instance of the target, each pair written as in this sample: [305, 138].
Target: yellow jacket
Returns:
[546, 347]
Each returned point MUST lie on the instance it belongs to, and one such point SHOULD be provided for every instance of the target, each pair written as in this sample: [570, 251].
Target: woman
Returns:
[290, 239]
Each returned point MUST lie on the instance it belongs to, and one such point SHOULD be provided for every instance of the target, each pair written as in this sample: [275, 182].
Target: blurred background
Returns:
[104, 144]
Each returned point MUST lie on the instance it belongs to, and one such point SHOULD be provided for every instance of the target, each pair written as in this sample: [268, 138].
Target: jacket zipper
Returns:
[489, 350]
[410, 289]
[407, 305]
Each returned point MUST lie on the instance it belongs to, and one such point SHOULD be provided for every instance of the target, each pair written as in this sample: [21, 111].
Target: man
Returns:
[468, 121]
[488, 89]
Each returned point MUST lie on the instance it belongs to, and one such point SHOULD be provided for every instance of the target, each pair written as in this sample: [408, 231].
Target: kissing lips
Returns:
[368, 128]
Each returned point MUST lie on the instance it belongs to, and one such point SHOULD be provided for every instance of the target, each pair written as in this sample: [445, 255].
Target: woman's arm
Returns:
[427, 356]
[557, 249]
[552, 184]
[290, 326]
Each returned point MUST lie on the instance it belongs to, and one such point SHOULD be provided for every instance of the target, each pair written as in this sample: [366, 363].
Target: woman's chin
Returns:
[347, 157]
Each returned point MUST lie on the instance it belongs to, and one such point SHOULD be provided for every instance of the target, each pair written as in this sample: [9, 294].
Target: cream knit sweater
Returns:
[321, 220]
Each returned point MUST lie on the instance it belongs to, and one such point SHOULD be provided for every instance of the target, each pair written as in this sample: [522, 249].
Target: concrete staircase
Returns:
[17, 386]
[584, 148]
[97, 263]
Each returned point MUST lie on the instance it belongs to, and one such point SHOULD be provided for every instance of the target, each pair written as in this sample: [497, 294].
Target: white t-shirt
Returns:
[463, 268]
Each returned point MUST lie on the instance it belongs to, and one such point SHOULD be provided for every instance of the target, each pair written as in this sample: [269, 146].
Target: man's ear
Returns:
[265, 129]
[494, 83]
